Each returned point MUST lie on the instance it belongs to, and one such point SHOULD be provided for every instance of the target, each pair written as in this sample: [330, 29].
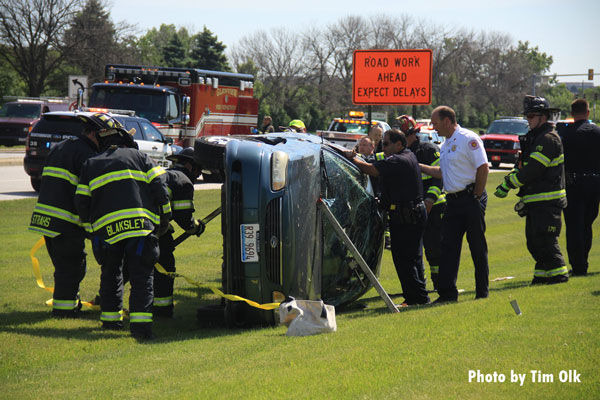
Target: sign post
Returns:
[392, 77]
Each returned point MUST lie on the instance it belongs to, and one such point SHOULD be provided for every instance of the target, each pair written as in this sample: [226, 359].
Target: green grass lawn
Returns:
[422, 352]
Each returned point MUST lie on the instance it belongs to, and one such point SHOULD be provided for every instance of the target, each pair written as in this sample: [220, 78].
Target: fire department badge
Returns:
[453, 147]
[473, 144]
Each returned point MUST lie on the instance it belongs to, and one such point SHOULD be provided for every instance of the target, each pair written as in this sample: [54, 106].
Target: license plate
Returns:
[249, 235]
[496, 158]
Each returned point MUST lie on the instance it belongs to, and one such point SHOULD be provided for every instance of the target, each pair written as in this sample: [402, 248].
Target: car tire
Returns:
[495, 164]
[36, 183]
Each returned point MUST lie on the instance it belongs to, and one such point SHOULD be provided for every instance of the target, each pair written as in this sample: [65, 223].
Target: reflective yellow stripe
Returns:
[64, 304]
[542, 159]
[557, 161]
[436, 162]
[45, 232]
[163, 301]
[550, 273]
[154, 172]
[57, 212]
[83, 190]
[544, 196]
[434, 190]
[441, 199]
[128, 234]
[435, 269]
[515, 181]
[140, 317]
[183, 205]
[105, 179]
[111, 316]
[425, 177]
[166, 208]
[62, 174]
[123, 214]
[379, 156]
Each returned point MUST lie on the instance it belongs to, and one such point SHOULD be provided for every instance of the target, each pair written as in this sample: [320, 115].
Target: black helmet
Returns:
[532, 104]
[183, 156]
[109, 131]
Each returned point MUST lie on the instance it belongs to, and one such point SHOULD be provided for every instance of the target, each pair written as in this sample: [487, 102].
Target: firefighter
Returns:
[297, 125]
[180, 178]
[582, 168]
[55, 217]
[541, 183]
[402, 196]
[435, 201]
[123, 197]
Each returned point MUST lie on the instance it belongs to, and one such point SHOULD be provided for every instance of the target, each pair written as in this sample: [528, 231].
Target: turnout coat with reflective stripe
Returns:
[429, 154]
[181, 192]
[55, 211]
[121, 194]
[542, 175]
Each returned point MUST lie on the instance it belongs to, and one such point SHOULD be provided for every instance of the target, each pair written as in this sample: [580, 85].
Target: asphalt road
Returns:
[15, 183]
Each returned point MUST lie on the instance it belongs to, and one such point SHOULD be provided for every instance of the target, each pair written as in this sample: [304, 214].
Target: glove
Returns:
[502, 190]
[163, 227]
[197, 229]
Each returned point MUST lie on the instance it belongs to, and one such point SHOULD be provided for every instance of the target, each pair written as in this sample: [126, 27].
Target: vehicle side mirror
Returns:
[168, 140]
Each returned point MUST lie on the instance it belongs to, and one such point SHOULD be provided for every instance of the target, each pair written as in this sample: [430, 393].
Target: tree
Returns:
[174, 53]
[207, 52]
[92, 39]
[31, 31]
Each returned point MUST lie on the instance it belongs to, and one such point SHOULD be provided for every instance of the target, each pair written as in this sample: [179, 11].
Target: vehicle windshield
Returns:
[149, 104]
[508, 127]
[345, 194]
[59, 125]
[20, 110]
[339, 126]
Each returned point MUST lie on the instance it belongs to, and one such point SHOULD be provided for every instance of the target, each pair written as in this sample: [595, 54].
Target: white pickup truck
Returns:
[348, 131]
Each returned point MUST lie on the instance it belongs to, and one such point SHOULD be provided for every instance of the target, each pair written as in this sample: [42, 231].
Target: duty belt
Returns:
[468, 191]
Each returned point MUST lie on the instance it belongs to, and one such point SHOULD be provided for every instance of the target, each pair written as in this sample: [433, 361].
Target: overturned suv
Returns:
[276, 240]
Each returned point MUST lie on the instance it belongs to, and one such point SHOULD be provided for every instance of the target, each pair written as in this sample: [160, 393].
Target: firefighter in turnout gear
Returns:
[180, 178]
[55, 217]
[435, 201]
[540, 179]
[122, 196]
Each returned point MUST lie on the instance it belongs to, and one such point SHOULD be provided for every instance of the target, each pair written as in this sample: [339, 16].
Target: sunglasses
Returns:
[532, 116]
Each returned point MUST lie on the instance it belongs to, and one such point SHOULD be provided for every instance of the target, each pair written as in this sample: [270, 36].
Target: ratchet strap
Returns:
[232, 297]
[38, 275]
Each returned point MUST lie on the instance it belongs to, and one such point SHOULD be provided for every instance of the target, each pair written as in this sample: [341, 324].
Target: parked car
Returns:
[501, 140]
[276, 242]
[18, 117]
[54, 127]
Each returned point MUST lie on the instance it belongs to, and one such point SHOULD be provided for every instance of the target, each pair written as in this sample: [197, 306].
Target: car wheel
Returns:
[495, 164]
[36, 183]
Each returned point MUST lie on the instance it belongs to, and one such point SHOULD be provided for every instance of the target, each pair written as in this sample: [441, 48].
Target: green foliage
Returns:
[422, 352]
[207, 52]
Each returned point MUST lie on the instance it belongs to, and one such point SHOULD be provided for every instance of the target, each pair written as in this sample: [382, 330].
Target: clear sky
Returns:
[569, 31]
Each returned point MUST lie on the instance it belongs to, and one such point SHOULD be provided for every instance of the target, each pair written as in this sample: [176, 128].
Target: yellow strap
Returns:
[232, 297]
[38, 275]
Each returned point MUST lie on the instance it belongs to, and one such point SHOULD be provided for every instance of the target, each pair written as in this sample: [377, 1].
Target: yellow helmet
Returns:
[296, 123]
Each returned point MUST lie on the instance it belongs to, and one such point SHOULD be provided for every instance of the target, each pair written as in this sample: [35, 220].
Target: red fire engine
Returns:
[184, 103]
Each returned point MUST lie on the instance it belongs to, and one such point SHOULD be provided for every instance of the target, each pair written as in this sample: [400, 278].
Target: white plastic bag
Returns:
[307, 317]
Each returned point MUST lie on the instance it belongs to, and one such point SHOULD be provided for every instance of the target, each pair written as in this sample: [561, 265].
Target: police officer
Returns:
[435, 201]
[402, 195]
[55, 217]
[541, 183]
[464, 169]
[582, 167]
[122, 194]
[179, 178]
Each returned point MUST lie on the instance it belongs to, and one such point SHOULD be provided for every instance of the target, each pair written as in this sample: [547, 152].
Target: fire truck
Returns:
[183, 103]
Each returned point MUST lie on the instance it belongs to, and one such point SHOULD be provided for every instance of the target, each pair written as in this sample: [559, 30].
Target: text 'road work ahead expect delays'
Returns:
[392, 77]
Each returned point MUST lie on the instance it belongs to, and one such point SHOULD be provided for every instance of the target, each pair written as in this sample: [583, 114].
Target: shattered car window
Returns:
[355, 209]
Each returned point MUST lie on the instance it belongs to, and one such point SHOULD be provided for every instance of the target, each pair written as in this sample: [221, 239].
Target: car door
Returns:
[157, 143]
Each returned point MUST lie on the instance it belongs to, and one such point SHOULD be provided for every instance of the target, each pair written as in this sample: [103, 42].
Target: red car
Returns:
[501, 141]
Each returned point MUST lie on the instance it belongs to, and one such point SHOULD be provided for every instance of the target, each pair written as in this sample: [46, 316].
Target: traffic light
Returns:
[591, 74]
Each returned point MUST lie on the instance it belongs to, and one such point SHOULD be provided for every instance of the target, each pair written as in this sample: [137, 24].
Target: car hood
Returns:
[16, 120]
[500, 136]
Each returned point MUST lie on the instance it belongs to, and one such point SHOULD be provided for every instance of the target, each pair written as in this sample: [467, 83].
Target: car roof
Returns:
[74, 114]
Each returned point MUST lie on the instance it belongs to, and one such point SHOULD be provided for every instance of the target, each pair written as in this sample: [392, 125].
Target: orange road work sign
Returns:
[392, 77]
